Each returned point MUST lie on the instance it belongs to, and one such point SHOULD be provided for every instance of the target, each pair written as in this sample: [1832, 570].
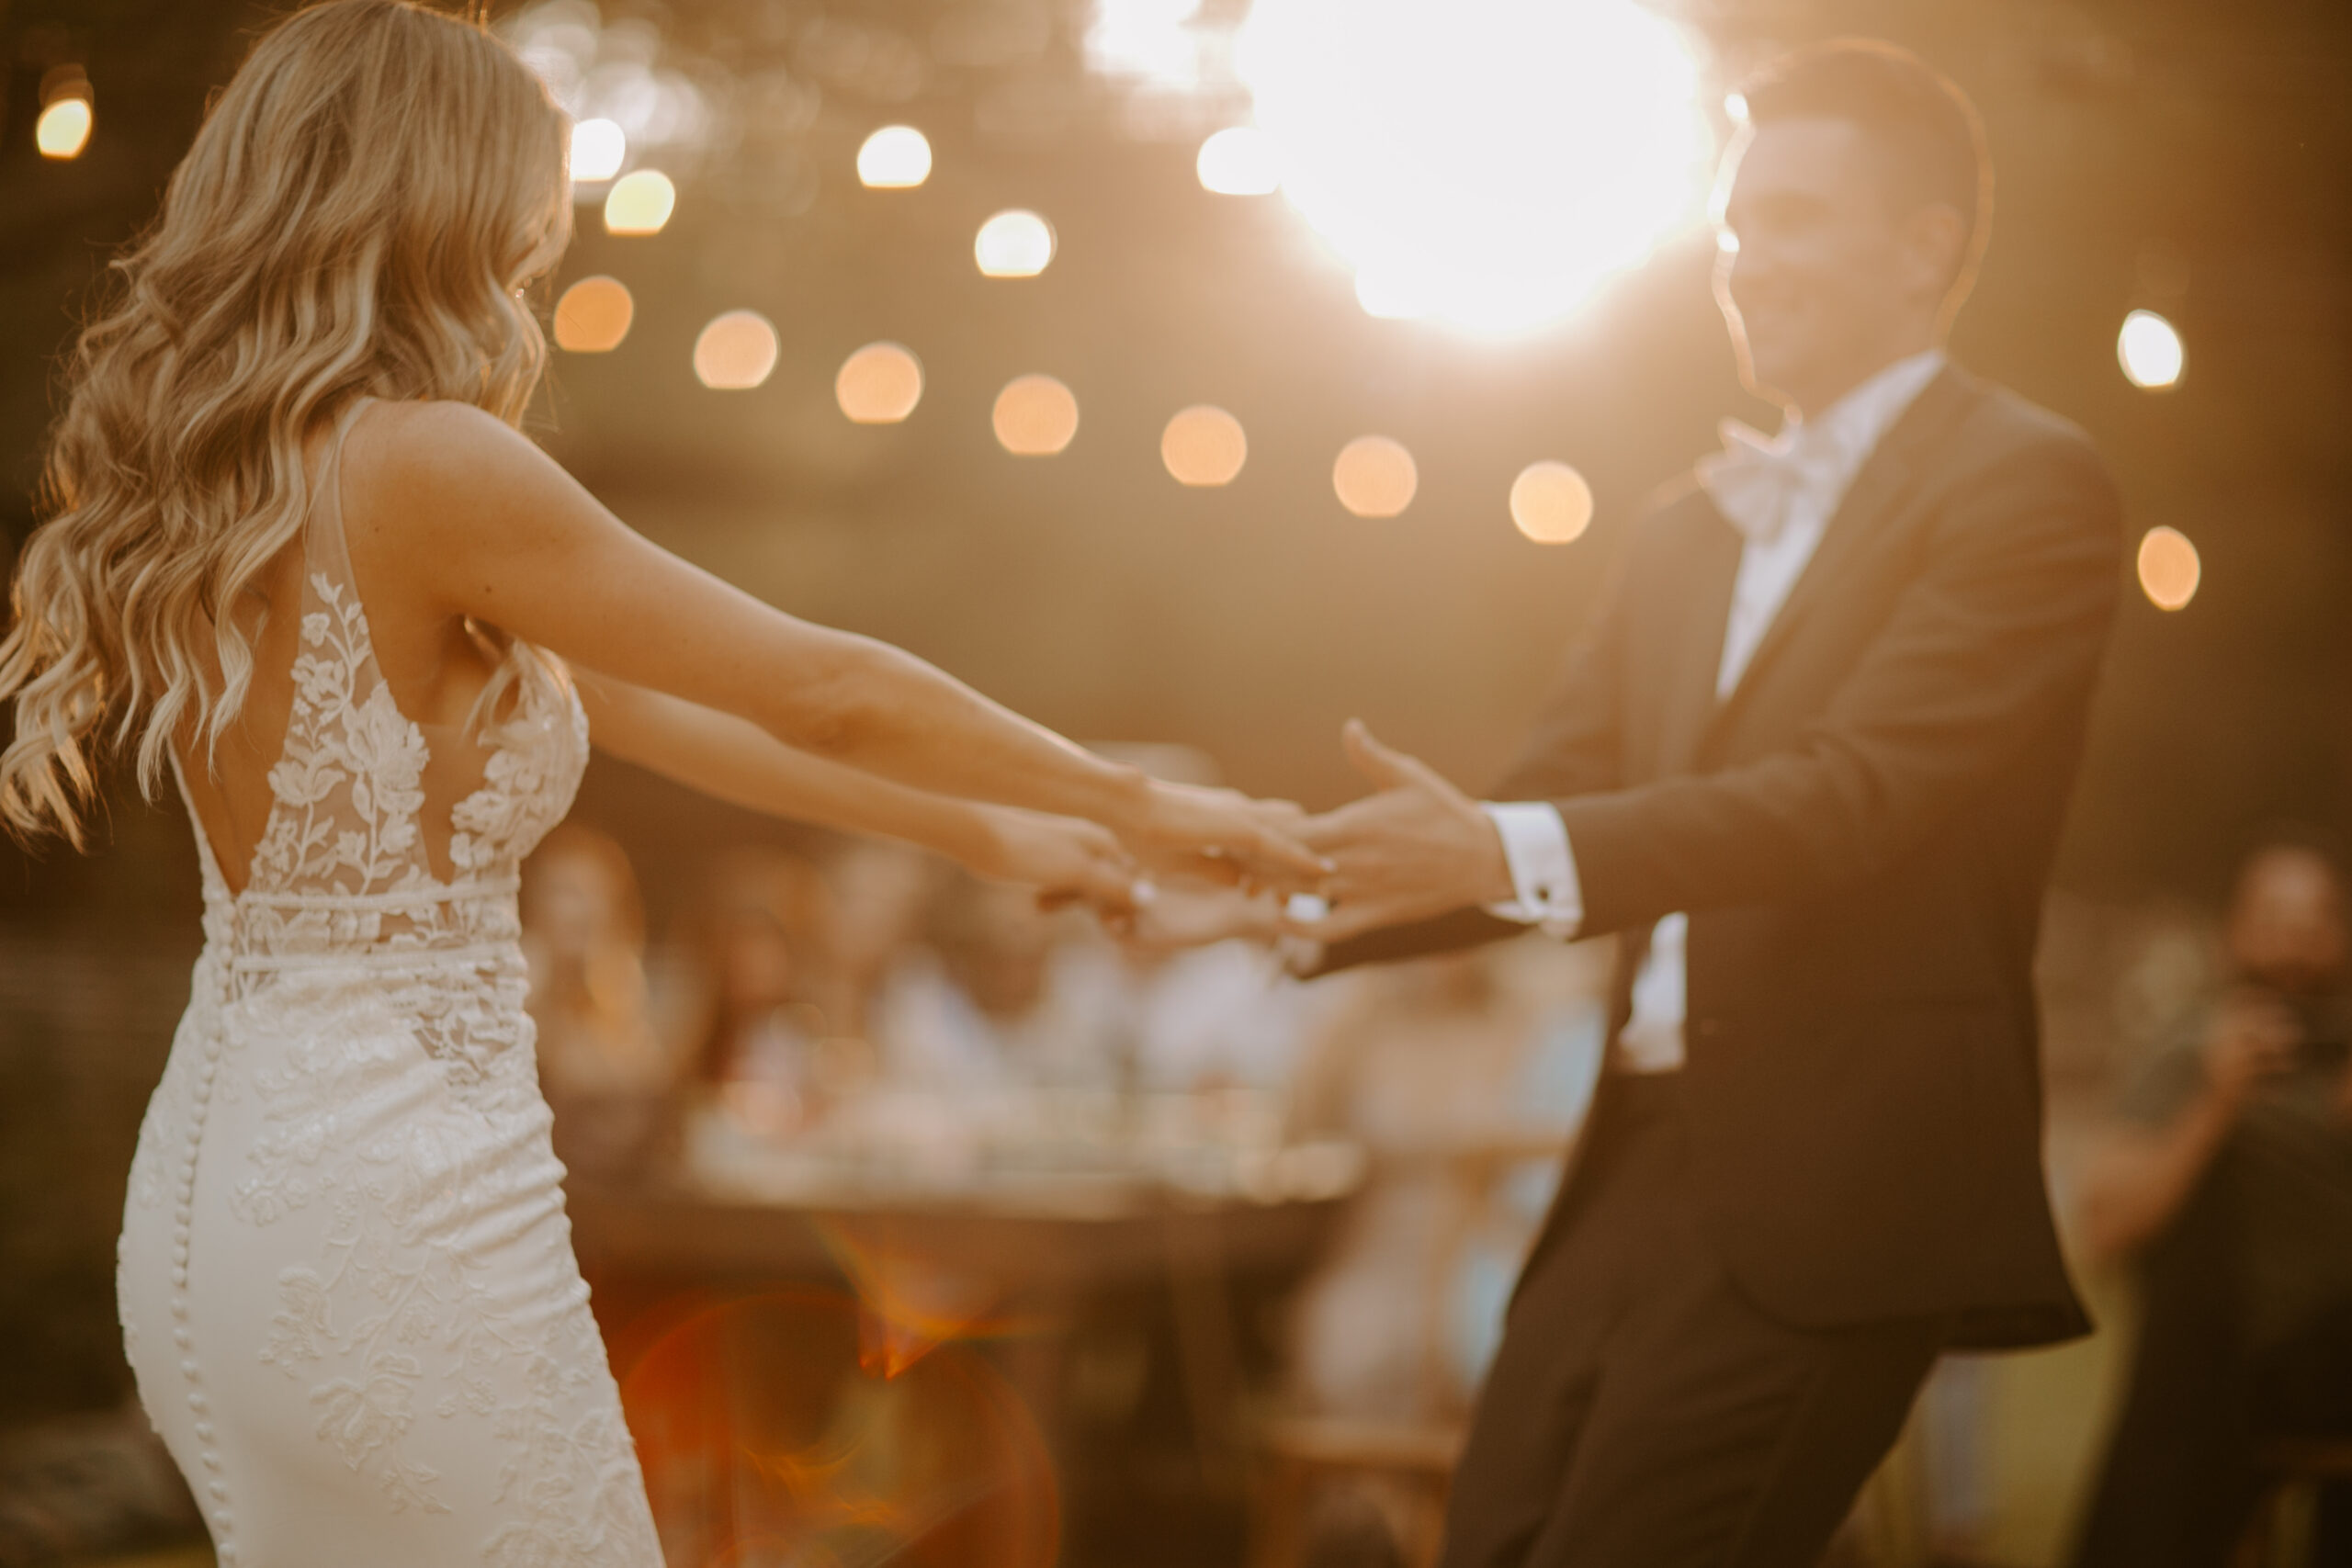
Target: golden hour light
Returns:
[593, 315]
[64, 129]
[639, 203]
[2150, 350]
[897, 157]
[1014, 245]
[880, 383]
[1203, 446]
[2169, 569]
[735, 352]
[1550, 502]
[1490, 165]
[1035, 416]
[598, 148]
[1239, 161]
[1375, 477]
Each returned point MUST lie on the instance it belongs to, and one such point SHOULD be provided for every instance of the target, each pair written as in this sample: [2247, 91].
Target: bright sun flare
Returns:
[1487, 162]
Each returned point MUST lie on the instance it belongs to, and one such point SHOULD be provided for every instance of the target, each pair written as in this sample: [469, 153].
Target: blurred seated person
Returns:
[1219, 1016]
[1009, 996]
[759, 941]
[600, 1058]
[2228, 1184]
[881, 896]
[1433, 1067]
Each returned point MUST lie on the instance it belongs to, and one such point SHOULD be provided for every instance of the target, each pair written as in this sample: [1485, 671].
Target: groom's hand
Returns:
[1416, 849]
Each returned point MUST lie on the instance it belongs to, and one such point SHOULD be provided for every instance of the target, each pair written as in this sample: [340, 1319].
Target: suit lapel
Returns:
[1698, 643]
[1886, 478]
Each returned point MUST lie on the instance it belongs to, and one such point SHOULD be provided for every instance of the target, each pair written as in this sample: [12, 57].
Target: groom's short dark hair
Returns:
[1916, 118]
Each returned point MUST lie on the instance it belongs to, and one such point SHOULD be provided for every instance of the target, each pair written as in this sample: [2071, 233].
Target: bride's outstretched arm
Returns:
[735, 761]
[488, 526]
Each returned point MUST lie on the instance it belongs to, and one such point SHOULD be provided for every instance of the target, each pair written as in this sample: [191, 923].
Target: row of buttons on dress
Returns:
[216, 1501]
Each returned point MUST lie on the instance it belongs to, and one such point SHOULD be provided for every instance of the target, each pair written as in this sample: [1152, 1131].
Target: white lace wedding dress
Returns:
[346, 1280]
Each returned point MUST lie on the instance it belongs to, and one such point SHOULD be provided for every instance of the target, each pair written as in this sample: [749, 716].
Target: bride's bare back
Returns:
[435, 668]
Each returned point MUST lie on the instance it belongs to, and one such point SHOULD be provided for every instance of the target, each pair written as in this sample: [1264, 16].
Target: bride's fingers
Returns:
[1280, 860]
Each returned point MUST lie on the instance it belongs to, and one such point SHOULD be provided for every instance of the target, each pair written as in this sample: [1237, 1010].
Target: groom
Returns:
[1810, 762]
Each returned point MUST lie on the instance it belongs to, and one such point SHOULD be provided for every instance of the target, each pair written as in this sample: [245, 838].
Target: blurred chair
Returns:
[1412, 1458]
[2293, 1469]
[1466, 1079]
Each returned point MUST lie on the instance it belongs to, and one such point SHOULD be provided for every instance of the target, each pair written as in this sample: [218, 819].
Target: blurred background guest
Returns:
[602, 1062]
[2227, 1180]
[1449, 1072]
[759, 940]
[1009, 996]
[881, 895]
[1463, 1077]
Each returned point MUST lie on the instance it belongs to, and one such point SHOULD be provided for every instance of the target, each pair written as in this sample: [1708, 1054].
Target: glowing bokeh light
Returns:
[1035, 416]
[593, 315]
[64, 129]
[1014, 245]
[2150, 350]
[1487, 162]
[880, 383]
[1550, 502]
[1240, 159]
[1152, 42]
[2169, 569]
[1203, 446]
[599, 147]
[1375, 477]
[736, 351]
[639, 203]
[897, 157]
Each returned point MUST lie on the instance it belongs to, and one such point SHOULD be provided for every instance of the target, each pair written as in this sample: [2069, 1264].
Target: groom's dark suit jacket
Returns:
[1861, 834]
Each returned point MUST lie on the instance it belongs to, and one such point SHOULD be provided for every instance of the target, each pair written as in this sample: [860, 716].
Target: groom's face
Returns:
[1818, 278]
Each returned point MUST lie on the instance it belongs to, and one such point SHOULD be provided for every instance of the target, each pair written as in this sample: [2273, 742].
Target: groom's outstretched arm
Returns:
[1990, 652]
[1575, 747]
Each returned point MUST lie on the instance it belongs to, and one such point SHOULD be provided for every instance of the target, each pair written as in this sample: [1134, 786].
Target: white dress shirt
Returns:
[1780, 495]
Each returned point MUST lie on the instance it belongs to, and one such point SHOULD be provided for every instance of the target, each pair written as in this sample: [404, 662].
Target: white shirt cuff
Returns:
[1543, 867]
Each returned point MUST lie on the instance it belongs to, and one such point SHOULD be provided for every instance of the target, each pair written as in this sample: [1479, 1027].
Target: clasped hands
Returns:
[1414, 847]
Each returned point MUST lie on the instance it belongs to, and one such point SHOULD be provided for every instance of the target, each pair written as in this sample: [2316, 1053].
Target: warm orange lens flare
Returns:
[767, 1436]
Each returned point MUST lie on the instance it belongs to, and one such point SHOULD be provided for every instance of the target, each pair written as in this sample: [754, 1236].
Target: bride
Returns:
[300, 559]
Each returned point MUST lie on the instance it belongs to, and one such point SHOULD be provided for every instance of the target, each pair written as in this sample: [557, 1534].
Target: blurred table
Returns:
[1038, 1245]
[1032, 1248]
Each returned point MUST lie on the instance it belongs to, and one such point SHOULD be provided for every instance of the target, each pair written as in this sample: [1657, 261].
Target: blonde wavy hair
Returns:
[359, 216]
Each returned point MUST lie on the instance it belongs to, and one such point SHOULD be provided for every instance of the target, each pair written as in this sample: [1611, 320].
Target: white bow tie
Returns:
[1756, 478]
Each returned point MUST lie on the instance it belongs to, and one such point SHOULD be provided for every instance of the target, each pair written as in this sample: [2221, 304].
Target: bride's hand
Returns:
[1066, 859]
[1184, 915]
[1221, 835]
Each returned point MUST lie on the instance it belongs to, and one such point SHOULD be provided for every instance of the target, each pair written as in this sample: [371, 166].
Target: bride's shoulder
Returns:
[423, 436]
[440, 488]
[441, 457]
